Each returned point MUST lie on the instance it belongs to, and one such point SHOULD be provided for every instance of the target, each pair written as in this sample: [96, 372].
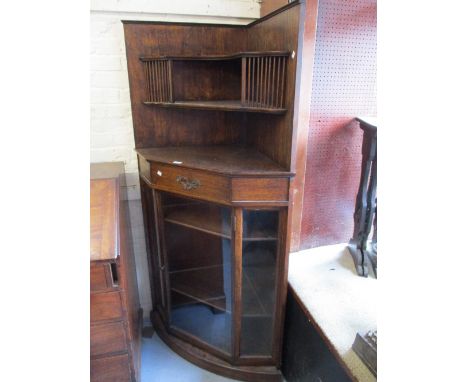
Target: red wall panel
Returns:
[344, 86]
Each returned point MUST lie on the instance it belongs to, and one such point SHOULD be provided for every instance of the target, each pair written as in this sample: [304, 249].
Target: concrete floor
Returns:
[159, 363]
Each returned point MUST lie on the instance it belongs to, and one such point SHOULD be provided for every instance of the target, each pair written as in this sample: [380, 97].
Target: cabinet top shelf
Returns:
[216, 57]
[224, 159]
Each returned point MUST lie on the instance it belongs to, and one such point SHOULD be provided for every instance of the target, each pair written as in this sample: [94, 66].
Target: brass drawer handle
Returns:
[188, 184]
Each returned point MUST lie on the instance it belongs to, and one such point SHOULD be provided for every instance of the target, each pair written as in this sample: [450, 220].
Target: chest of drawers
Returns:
[115, 312]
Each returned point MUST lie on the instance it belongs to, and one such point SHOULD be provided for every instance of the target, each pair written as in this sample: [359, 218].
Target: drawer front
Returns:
[144, 167]
[101, 277]
[105, 306]
[111, 369]
[108, 338]
[194, 183]
[260, 189]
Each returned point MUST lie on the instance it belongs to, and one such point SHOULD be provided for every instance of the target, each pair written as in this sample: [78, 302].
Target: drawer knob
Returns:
[188, 184]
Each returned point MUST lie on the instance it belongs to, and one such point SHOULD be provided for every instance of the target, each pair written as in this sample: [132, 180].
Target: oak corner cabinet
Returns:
[213, 116]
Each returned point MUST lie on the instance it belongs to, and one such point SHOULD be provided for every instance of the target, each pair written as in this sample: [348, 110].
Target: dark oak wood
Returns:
[205, 186]
[282, 281]
[217, 57]
[223, 174]
[101, 276]
[277, 32]
[223, 79]
[206, 81]
[173, 126]
[267, 133]
[260, 189]
[224, 105]
[106, 306]
[237, 232]
[250, 189]
[226, 160]
[111, 369]
[215, 127]
[108, 338]
[115, 312]
[200, 218]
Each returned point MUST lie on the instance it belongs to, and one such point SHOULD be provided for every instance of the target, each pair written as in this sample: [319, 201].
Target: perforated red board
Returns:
[344, 86]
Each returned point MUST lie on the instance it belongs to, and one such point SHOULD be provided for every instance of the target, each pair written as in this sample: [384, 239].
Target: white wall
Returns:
[111, 119]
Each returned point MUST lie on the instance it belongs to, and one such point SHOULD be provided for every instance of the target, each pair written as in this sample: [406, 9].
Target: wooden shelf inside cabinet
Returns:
[220, 105]
[257, 270]
[214, 222]
[256, 79]
[216, 57]
[200, 218]
[201, 285]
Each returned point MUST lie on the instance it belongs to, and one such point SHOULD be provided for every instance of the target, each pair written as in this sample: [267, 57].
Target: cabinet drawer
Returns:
[108, 338]
[260, 189]
[110, 369]
[105, 306]
[100, 276]
[194, 183]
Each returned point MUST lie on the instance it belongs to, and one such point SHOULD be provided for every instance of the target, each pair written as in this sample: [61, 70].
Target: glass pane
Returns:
[152, 244]
[259, 257]
[198, 245]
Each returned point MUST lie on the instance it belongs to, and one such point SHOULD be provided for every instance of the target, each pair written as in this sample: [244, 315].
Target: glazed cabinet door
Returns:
[220, 270]
[198, 252]
[260, 256]
[156, 266]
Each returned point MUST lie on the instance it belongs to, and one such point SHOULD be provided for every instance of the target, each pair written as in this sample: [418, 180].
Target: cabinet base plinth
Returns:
[212, 363]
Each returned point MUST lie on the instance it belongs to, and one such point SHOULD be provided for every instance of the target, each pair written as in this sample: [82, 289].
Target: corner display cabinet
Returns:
[213, 113]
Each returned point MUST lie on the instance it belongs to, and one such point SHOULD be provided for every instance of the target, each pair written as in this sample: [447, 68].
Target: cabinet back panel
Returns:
[206, 80]
[269, 134]
[155, 126]
[191, 249]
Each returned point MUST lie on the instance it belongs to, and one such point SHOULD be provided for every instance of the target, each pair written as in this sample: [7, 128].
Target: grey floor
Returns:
[159, 363]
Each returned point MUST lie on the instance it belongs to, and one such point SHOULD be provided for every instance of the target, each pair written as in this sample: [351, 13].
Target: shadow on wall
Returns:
[332, 178]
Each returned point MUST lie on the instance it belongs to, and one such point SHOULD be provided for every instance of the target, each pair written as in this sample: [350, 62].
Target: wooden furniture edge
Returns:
[218, 57]
[236, 174]
[207, 105]
[116, 223]
[322, 334]
[275, 12]
[301, 119]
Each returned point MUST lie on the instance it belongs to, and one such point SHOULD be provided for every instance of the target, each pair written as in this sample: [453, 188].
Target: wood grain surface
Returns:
[104, 219]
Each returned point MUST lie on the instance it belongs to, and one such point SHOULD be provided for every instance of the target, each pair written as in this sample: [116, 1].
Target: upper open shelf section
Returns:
[247, 81]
